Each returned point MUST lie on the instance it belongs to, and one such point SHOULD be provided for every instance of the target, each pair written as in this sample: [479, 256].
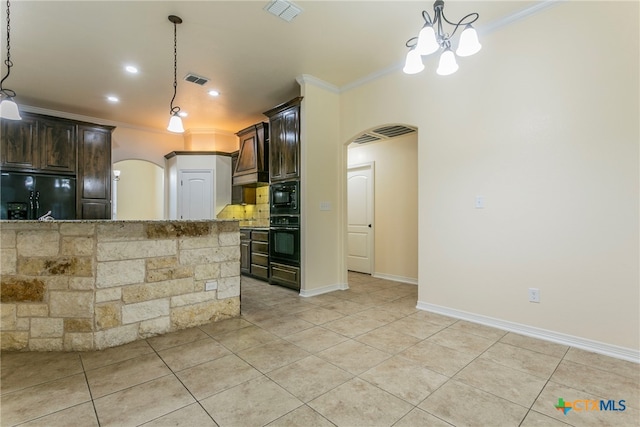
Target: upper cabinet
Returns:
[57, 142]
[252, 165]
[39, 144]
[51, 145]
[19, 143]
[284, 152]
[94, 172]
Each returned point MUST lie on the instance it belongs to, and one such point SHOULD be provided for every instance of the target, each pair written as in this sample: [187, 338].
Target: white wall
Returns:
[396, 204]
[546, 129]
[323, 178]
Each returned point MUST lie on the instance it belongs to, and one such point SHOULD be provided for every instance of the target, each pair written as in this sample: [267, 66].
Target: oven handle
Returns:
[284, 228]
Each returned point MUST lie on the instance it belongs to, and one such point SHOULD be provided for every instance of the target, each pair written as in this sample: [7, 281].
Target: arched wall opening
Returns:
[395, 199]
[139, 190]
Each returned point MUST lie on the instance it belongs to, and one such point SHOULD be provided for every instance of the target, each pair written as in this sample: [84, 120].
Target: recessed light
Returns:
[131, 69]
[183, 114]
[214, 92]
[112, 98]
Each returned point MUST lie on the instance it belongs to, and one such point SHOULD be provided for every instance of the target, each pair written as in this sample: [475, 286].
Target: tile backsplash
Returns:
[250, 215]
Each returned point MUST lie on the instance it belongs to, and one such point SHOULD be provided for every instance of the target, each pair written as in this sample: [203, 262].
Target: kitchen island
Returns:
[95, 284]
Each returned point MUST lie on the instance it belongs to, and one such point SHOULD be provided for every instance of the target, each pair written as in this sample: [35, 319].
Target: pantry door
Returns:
[360, 239]
[196, 194]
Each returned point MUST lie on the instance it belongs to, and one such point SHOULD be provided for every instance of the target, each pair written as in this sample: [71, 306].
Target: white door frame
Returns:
[372, 190]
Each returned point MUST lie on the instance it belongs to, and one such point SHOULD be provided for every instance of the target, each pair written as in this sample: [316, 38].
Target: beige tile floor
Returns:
[362, 357]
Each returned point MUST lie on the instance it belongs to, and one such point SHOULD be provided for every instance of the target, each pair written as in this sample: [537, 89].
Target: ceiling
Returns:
[70, 55]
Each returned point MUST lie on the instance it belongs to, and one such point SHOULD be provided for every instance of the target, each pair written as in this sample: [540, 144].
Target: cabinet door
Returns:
[291, 144]
[18, 143]
[94, 172]
[276, 147]
[57, 141]
[245, 256]
[95, 210]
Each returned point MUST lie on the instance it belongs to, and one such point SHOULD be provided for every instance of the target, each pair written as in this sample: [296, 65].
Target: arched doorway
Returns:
[139, 190]
[392, 150]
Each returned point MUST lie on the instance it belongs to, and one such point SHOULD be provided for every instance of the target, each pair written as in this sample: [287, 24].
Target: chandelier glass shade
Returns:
[175, 122]
[8, 107]
[432, 37]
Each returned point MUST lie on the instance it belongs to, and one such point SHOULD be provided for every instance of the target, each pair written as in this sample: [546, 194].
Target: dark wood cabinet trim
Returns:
[195, 153]
[281, 107]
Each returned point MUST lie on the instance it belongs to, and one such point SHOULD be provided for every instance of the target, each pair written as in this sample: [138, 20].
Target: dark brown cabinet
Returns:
[260, 254]
[254, 252]
[252, 166]
[245, 251]
[39, 144]
[57, 143]
[284, 150]
[52, 145]
[19, 143]
[94, 172]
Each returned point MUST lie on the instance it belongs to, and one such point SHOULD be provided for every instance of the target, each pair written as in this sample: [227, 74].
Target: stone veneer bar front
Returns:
[90, 285]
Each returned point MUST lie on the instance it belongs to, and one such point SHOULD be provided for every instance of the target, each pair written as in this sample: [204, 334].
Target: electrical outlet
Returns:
[534, 295]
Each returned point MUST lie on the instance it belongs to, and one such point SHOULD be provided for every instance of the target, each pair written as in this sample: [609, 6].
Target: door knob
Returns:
[369, 225]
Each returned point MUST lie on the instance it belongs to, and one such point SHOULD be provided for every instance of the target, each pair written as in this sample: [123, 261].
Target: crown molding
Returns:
[208, 131]
[89, 119]
[309, 79]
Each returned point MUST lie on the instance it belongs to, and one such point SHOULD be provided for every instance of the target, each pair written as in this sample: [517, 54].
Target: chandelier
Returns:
[175, 122]
[8, 107]
[432, 37]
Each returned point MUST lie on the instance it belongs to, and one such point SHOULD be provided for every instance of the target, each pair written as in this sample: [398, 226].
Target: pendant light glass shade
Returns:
[427, 43]
[434, 37]
[468, 42]
[9, 109]
[447, 64]
[175, 124]
[413, 63]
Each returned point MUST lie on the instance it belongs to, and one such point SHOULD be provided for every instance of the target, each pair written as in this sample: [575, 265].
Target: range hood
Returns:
[252, 167]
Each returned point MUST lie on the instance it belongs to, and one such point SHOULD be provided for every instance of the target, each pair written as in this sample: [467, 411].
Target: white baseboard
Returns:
[623, 353]
[409, 280]
[323, 290]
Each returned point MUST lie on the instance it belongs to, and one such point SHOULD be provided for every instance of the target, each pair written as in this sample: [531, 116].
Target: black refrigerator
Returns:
[30, 196]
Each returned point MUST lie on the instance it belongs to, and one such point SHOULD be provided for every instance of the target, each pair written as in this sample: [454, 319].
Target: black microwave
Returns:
[284, 198]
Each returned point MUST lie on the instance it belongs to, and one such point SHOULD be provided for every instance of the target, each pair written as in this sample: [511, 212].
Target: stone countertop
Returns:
[126, 221]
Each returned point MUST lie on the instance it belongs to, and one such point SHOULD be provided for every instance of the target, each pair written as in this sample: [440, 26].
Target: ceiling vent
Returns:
[283, 9]
[199, 80]
[385, 132]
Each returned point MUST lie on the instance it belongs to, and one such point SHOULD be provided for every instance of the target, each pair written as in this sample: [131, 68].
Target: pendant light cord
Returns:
[176, 109]
[8, 92]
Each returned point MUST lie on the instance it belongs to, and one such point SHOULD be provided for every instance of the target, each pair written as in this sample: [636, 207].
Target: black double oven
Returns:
[284, 234]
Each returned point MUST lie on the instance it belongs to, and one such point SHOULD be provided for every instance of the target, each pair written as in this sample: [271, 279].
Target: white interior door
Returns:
[196, 194]
[360, 219]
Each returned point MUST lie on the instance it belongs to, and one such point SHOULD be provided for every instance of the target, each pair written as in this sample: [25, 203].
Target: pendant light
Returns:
[175, 122]
[8, 107]
[432, 37]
